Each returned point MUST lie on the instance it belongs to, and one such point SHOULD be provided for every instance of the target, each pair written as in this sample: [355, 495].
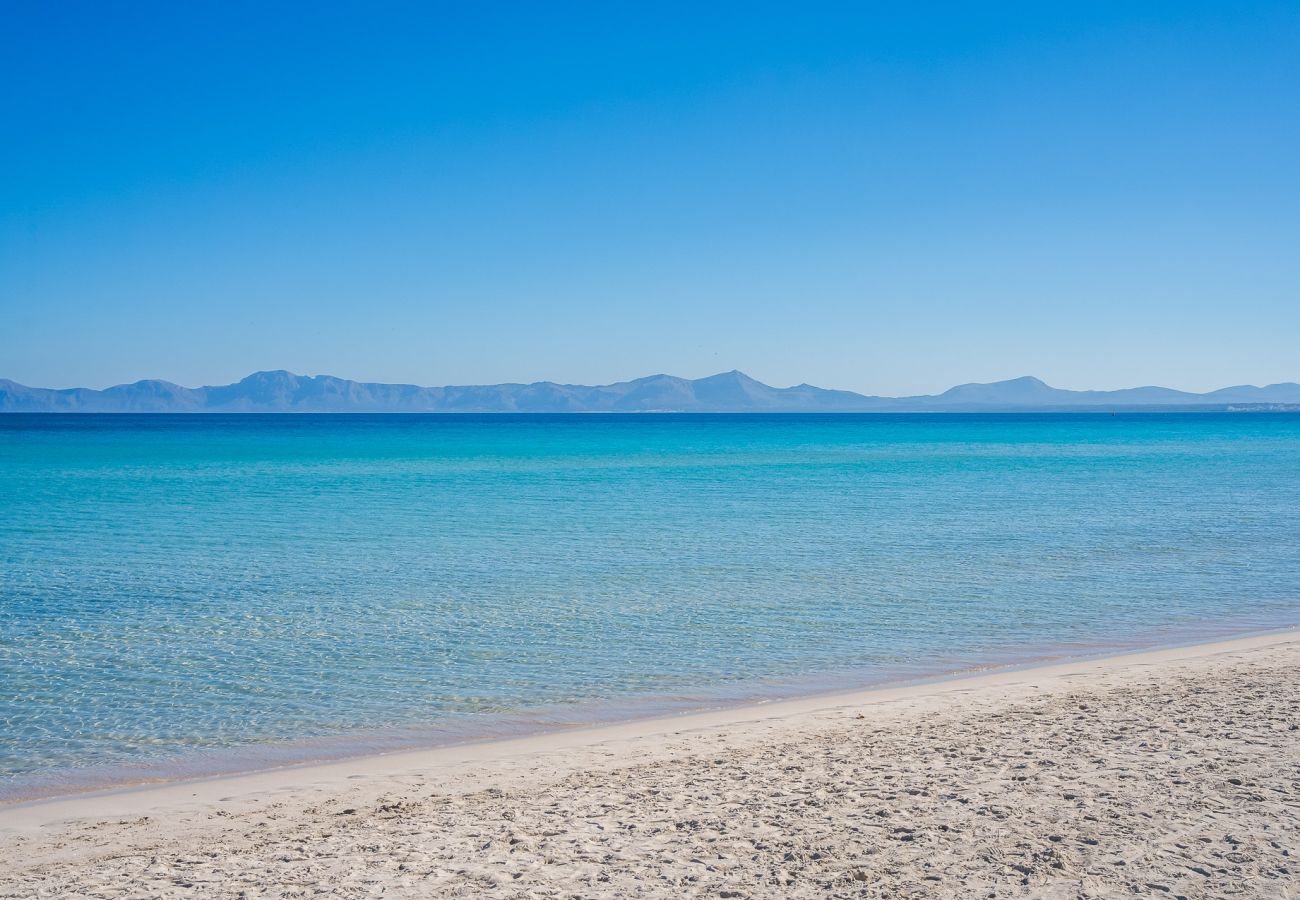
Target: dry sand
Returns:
[1174, 773]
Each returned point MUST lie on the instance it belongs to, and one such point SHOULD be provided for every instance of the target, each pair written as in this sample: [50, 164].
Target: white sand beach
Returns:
[1170, 773]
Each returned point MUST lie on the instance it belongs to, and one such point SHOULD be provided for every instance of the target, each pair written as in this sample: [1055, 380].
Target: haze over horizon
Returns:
[884, 201]
[734, 391]
[1025, 378]
[621, 380]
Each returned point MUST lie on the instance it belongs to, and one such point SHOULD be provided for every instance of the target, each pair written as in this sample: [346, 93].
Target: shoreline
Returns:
[460, 758]
[467, 730]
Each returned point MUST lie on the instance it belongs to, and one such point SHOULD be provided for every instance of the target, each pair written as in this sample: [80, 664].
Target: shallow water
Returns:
[177, 593]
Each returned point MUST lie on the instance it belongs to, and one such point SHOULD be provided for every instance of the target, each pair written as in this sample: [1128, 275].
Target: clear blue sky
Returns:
[887, 198]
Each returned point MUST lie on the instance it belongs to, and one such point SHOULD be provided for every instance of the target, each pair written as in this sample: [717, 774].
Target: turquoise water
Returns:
[190, 594]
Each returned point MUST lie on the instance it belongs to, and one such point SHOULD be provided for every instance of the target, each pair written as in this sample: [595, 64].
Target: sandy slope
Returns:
[1160, 774]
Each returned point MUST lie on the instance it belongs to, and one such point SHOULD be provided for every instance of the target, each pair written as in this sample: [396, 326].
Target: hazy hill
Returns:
[282, 391]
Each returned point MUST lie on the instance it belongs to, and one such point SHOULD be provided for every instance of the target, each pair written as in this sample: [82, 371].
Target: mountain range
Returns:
[734, 391]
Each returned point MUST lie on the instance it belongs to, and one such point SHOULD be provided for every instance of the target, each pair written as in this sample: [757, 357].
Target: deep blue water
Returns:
[179, 594]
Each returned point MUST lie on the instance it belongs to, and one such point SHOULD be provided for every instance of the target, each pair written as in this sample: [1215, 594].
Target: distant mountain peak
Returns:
[1024, 389]
[735, 376]
[272, 375]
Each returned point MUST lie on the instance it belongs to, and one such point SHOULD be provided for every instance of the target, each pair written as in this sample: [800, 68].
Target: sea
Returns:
[190, 595]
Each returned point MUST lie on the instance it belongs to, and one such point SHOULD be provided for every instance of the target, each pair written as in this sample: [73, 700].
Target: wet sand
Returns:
[1169, 773]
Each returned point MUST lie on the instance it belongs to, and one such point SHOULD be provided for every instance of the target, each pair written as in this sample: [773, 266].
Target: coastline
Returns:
[152, 797]
[223, 764]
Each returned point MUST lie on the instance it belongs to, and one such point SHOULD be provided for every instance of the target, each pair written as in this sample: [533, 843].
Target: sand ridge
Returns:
[1165, 774]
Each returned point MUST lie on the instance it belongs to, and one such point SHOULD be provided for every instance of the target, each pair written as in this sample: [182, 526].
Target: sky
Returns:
[889, 198]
